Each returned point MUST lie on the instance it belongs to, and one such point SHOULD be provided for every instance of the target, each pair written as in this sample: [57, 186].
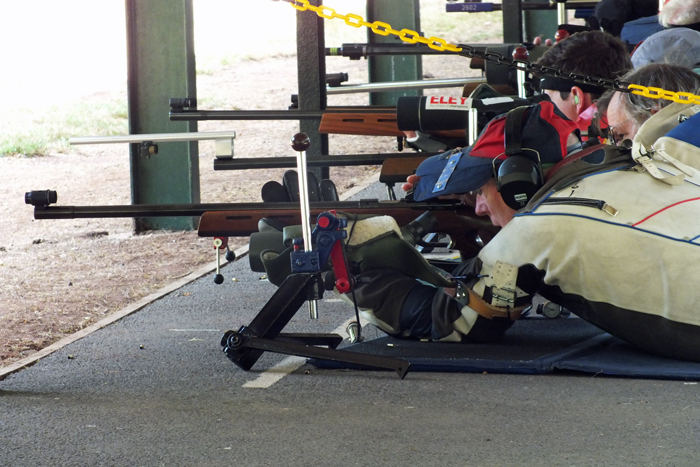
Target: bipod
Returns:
[245, 346]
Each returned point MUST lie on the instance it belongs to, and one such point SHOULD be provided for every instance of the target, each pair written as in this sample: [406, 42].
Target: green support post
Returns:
[540, 22]
[161, 65]
[400, 14]
[311, 74]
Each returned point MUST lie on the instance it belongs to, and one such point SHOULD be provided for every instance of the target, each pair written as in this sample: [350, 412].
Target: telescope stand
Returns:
[245, 346]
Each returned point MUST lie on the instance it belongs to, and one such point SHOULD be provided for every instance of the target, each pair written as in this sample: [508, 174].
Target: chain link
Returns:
[378, 27]
[436, 43]
[658, 93]
[614, 84]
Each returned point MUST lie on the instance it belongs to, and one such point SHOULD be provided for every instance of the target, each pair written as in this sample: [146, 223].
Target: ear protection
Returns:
[520, 176]
[576, 101]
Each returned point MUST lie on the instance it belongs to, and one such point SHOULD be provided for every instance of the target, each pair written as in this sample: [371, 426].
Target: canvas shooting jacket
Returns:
[616, 240]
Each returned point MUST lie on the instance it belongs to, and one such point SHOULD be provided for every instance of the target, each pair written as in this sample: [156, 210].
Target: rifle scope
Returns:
[435, 113]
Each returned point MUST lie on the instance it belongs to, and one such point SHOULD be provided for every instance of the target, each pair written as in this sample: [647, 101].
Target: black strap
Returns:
[514, 130]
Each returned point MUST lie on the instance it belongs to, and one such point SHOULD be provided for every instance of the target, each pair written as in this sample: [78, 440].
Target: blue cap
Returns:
[545, 130]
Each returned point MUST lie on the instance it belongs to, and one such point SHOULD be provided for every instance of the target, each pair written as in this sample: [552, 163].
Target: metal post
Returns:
[512, 21]
[311, 72]
[161, 65]
[401, 14]
[542, 22]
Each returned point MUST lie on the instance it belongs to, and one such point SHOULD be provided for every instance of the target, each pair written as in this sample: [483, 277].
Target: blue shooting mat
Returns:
[531, 346]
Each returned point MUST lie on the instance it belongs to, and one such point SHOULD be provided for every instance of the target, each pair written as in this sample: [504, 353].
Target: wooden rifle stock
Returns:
[467, 231]
[371, 124]
[398, 169]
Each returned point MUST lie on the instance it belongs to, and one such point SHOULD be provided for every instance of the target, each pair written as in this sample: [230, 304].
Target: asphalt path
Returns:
[155, 389]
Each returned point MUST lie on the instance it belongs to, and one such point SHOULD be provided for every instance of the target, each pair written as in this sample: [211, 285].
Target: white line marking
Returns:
[194, 330]
[289, 364]
[276, 373]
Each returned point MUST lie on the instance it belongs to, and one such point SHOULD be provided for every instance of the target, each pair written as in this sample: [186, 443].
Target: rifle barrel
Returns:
[239, 163]
[263, 114]
[186, 210]
[402, 85]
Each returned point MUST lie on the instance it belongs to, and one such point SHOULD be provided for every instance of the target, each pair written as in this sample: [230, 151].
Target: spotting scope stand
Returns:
[245, 346]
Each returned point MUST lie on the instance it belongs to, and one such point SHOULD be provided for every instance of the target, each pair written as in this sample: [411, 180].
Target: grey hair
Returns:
[680, 13]
[659, 75]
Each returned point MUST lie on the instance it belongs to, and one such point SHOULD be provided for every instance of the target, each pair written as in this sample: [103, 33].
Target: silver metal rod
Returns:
[155, 138]
[304, 200]
[562, 15]
[402, 85]
[305, 213]
[473, 126]
[521, 76]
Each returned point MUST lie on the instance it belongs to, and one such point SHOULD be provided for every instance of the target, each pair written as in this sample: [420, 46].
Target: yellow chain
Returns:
[412, 37]
[378, 27]
[658, 93]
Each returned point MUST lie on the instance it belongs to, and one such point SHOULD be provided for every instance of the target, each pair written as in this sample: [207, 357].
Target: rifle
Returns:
[342, 120]
[468, 232]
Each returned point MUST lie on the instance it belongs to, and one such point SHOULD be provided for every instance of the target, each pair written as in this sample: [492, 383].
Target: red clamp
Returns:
[342, 278]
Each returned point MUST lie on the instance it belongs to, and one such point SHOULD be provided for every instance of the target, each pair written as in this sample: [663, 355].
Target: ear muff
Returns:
[519, 177]
[576, 101]
[518, 180]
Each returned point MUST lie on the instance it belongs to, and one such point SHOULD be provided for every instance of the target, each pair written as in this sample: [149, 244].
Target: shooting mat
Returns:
[532, 346]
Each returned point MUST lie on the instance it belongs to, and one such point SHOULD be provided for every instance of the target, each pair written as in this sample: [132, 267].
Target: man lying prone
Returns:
[596, 231]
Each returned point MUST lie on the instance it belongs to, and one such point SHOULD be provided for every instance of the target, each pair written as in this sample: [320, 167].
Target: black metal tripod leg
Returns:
[288, 348]
[245, 346]
[327, 340]
[273, 317]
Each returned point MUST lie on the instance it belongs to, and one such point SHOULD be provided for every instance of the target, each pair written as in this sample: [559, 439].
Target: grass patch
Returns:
[37, 133]
[27, 145]
[463, 27]
[215, 102]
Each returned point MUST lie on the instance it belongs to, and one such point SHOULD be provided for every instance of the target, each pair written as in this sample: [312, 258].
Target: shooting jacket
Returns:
[618, 248]
[612, 236]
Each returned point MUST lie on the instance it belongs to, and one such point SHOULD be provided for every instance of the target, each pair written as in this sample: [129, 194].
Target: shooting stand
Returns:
[245, 346]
